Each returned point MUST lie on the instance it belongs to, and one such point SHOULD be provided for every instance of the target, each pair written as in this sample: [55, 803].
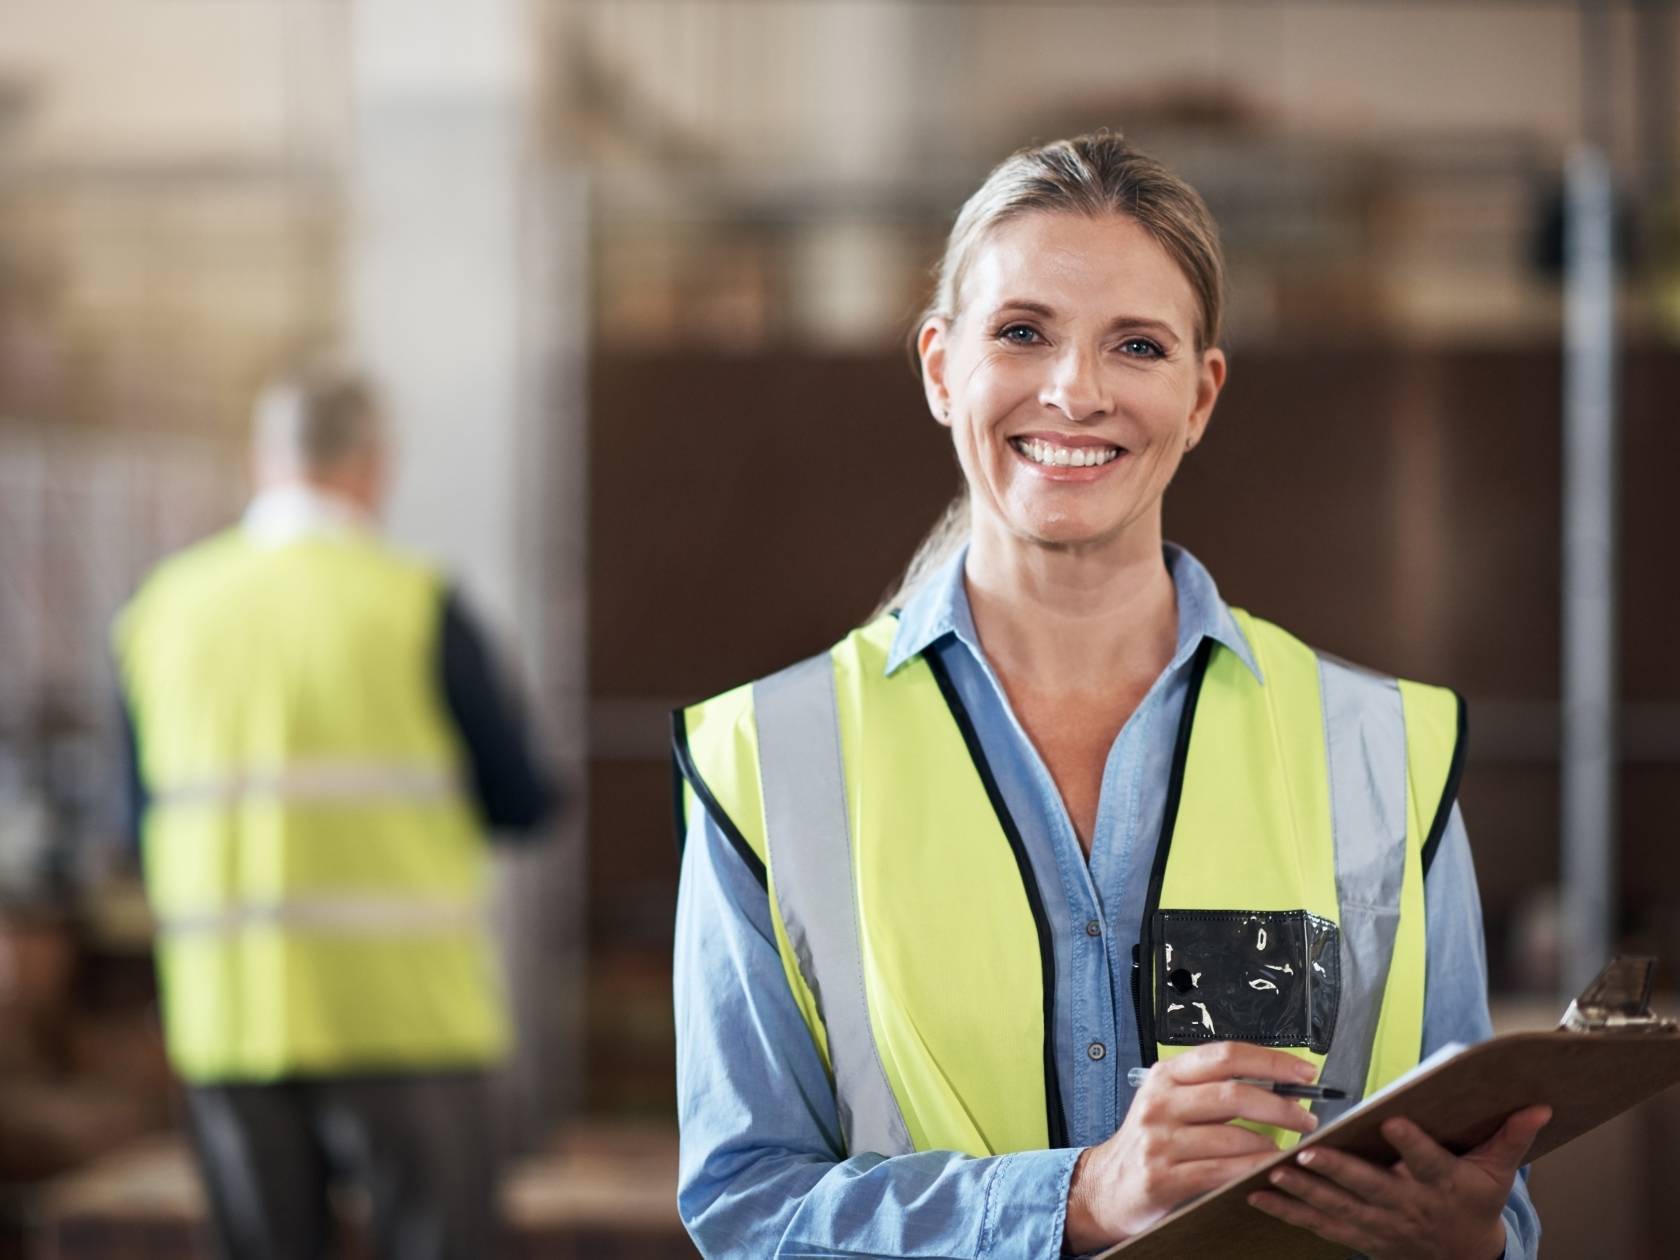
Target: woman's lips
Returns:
[1053, 455]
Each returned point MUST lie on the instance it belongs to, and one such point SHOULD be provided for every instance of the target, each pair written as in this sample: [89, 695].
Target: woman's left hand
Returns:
[1431, 1205]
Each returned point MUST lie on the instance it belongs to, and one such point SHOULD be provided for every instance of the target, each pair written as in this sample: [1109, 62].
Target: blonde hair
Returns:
[1096, 175]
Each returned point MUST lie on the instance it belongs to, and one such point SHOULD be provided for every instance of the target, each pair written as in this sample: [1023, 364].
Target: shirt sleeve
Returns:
[763, 1171]
[513, 795]
[1455, 993]
[135, 798]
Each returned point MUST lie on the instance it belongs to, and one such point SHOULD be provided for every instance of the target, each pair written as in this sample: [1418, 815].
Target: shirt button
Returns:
[1096, 1050]
[1093, 928]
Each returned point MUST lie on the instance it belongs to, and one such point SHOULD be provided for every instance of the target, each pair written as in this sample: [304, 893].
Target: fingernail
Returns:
[1306, 1157]
[1305, 1070]
[1276, 1178]
[1312, 1121]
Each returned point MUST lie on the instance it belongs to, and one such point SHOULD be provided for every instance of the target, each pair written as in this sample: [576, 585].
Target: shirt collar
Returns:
[940, 607]
[285, 513]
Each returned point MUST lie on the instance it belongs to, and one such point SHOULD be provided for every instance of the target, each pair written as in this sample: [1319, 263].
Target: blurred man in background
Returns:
[313, 719]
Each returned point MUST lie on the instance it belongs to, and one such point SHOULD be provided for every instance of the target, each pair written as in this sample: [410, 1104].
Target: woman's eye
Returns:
[1141, 348]
[1019, 334]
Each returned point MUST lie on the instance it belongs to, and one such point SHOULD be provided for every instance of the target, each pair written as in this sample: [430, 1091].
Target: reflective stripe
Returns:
[810, 862]
[1365, 736]
[317, 781]
[361, 916]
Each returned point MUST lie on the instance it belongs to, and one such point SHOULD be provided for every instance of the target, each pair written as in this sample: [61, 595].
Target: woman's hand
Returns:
[1176, 1141]
[1429, 1206]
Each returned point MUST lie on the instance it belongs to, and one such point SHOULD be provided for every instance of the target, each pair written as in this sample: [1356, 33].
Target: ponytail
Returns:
[943, 541]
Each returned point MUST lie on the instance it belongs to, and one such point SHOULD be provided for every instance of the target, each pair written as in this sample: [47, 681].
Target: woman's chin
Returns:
[1061, 532]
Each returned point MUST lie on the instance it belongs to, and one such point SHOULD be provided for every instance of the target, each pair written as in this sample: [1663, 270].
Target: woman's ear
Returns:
[930, 348]
[1210, 379]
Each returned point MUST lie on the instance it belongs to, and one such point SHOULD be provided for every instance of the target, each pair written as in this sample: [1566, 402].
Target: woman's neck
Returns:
[1069, 621]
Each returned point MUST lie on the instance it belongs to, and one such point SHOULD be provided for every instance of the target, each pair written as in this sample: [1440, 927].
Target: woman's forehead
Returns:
[1079, 265]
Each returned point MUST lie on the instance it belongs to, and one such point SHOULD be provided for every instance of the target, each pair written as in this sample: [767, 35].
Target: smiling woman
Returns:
[1073, 377]
[1071, 188]
[1035, 824]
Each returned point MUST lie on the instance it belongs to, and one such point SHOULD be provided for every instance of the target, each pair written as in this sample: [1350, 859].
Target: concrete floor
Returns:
[603, 1192]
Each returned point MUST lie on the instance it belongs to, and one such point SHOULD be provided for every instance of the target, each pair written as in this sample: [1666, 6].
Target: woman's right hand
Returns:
[1176, 1142]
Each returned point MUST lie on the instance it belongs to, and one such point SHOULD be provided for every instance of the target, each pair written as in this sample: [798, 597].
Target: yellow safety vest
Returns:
[1285, 904]
[316, 872]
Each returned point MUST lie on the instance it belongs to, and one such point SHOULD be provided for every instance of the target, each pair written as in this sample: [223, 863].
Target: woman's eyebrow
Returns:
[1159, 327]
[1025, 304]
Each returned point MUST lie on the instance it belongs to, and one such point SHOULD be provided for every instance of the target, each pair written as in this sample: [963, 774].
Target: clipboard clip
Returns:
[1618, 1001]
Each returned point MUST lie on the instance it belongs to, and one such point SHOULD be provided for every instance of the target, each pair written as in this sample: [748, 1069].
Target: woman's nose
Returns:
[1076, 387]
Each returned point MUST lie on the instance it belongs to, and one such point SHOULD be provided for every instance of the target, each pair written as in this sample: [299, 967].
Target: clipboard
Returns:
[1609, 1054]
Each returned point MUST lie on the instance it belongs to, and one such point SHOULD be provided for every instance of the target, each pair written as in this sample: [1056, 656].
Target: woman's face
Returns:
[1070, 379]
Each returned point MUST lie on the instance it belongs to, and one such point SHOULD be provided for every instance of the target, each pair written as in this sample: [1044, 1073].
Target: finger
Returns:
[1358, 1176]
[1230, 1100]
[1217, 1141]
[1288, 1208]
[1426, 1158]
[1506, 1150]
[1326, 1196]
[1221, 1060]
[1198, 1176]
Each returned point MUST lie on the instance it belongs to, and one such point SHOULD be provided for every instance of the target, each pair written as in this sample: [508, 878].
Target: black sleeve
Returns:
[512, 793]
[134, 798]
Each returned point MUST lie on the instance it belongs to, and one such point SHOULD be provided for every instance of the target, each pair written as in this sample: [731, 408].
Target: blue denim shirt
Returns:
[763, 1171]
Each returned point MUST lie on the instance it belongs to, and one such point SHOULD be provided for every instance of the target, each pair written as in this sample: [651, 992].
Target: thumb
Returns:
[1507, 1149]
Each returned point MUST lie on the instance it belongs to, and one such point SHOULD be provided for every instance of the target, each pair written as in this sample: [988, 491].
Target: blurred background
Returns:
[636, 275]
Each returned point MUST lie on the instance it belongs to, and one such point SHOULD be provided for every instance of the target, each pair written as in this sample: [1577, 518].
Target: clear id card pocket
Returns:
[1268, 976]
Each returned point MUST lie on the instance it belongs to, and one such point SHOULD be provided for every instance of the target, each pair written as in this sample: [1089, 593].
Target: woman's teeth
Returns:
[1064, 456]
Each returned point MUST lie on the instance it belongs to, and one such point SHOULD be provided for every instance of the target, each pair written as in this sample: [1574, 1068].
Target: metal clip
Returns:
[1618, 1001]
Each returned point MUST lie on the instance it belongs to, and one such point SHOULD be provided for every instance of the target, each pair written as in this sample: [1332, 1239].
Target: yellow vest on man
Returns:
[315, 871]
[1285, 904]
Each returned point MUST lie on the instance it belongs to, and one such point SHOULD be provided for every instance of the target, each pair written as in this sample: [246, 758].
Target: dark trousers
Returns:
[421, 1146]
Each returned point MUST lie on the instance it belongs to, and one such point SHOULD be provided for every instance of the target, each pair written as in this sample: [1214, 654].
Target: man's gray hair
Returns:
[315, 420]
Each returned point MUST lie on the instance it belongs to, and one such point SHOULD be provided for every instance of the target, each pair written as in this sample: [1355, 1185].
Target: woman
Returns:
[1064, 814]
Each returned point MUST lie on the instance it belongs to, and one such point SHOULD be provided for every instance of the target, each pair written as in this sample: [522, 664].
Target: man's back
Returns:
[313, 862]
[347, 624]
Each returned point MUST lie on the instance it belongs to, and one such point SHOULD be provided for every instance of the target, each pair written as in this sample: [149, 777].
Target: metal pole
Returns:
[1589, 571]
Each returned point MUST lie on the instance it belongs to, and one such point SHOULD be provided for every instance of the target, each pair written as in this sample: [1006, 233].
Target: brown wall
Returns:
[1397, 507]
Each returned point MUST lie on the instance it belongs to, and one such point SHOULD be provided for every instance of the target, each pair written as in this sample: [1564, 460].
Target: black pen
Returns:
[1284, 1089]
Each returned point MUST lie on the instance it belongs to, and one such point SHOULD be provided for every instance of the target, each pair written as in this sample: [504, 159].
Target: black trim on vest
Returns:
[1056, 1121]
[1143, 985]
[683, 761]
[1449, 793]
[679, 815]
